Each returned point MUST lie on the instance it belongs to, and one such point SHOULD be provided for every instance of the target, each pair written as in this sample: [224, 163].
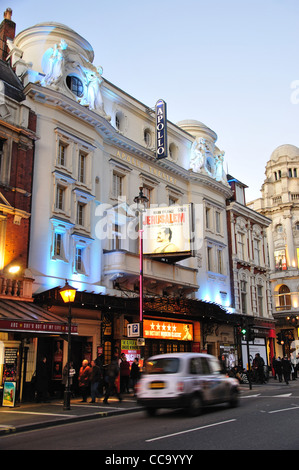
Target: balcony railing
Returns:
[126, 265]
[18, 289]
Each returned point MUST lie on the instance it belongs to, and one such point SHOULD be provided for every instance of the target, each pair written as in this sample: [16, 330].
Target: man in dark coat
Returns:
[135, 374]
[286, 369]
[42, 380]
[112, 374]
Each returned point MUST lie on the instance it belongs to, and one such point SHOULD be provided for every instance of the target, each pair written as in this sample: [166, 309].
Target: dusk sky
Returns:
[233, 65]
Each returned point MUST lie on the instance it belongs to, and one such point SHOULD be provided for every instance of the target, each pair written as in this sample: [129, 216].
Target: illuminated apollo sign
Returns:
[167, 230]
[161, 129]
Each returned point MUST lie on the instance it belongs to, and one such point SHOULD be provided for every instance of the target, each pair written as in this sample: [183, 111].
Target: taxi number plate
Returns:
[157, 385]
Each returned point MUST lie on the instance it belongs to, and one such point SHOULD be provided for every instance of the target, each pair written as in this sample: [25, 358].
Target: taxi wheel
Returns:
[234, 399]
[151, 411]
[195, 405]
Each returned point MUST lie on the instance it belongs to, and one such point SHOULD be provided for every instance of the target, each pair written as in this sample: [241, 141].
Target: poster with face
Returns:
[167, 230]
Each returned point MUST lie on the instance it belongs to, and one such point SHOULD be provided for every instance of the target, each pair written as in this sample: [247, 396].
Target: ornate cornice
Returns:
[111, 135]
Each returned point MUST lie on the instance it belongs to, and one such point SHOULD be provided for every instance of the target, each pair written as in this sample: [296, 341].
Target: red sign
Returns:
[36, 327]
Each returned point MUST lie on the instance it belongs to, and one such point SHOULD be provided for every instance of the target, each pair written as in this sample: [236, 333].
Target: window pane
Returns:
[82, 169]
[61, 154]
[117, 185]
[60, 197]
[58, 244]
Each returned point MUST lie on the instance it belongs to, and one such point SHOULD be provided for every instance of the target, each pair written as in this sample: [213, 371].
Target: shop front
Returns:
[262, 343]
[24, 328]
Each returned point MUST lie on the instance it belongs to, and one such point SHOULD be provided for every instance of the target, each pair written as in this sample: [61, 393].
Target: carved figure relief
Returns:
[53, 64]
[63, 65]
[198, 155]
[204, 160]
[93, 96]
[219, 171]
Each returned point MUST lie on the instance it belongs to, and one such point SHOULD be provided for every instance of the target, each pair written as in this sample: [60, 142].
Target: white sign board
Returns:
[167, 230]
[133, 330]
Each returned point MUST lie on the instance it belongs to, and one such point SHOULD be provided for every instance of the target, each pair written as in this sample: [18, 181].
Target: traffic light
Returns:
[247, 332]
[250, 335]
[280, 338]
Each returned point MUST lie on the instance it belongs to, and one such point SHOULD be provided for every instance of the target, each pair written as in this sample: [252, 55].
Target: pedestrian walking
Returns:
[286, 369]
[100, 363]
[42, 380]
[84, 380]
[95, 378]
[294, 367]
[135, 374]
[124, 369]
[68, 374]
[278, 368]
[258, 366]
[112, 374]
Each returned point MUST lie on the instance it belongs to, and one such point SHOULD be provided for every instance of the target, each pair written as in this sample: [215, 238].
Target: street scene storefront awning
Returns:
[28, 317]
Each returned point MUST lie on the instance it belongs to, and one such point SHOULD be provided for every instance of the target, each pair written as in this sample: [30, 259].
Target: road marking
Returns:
[189, 430]
[282, 396]
[285, 409]
[38, 413]
[251, 396]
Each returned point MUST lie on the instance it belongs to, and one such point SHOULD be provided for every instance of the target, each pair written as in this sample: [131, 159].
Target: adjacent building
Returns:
[280, 203]
[251, 290]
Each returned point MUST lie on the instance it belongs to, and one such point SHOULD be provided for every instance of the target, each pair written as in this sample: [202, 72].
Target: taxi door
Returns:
[211, 381]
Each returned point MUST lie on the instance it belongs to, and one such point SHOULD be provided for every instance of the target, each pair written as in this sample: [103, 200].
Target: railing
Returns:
[19, 289]
[286, 301]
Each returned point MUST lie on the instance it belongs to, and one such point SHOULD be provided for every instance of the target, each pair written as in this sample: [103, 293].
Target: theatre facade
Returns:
[95, 146]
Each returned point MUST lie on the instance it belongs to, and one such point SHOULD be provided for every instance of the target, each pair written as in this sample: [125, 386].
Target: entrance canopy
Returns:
[27, 317]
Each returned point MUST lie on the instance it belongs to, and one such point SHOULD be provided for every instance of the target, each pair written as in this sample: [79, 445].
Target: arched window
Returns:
[284, 298]
[75, 85]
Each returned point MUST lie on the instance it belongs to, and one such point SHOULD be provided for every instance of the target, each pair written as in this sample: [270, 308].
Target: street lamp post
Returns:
[140, 200]
[68, 296]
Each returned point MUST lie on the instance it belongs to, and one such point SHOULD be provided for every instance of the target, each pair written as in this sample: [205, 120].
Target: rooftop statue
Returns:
[53, 64]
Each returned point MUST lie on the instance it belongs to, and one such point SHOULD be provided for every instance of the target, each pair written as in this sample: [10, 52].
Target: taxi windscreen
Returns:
[162, 366]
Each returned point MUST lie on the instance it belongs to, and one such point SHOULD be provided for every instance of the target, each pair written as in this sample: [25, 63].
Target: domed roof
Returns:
[285, 150]
[196, 128]
[43, 35]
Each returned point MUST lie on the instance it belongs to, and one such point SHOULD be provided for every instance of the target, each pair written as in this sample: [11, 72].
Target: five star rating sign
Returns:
[167, 330]
[163, 327]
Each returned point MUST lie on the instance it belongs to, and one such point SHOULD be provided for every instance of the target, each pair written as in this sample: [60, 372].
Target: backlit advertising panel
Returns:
[167, 230]
[163, 329]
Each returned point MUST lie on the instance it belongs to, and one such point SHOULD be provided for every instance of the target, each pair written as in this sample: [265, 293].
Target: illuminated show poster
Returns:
[280, 260]
[9, 394]
[161, 329]
[167, 230]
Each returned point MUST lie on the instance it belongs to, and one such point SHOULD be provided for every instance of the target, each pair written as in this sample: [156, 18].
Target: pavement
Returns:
[32, 415]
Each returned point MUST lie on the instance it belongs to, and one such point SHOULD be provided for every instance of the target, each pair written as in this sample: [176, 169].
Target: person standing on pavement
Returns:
[100, 363]
[135, 374]
[95, 378]
[286, 369]
[258, 366]
[84, 380]
[278, 368]
[67, 375]
[124, 369]
[112, 374]
[42, 380]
